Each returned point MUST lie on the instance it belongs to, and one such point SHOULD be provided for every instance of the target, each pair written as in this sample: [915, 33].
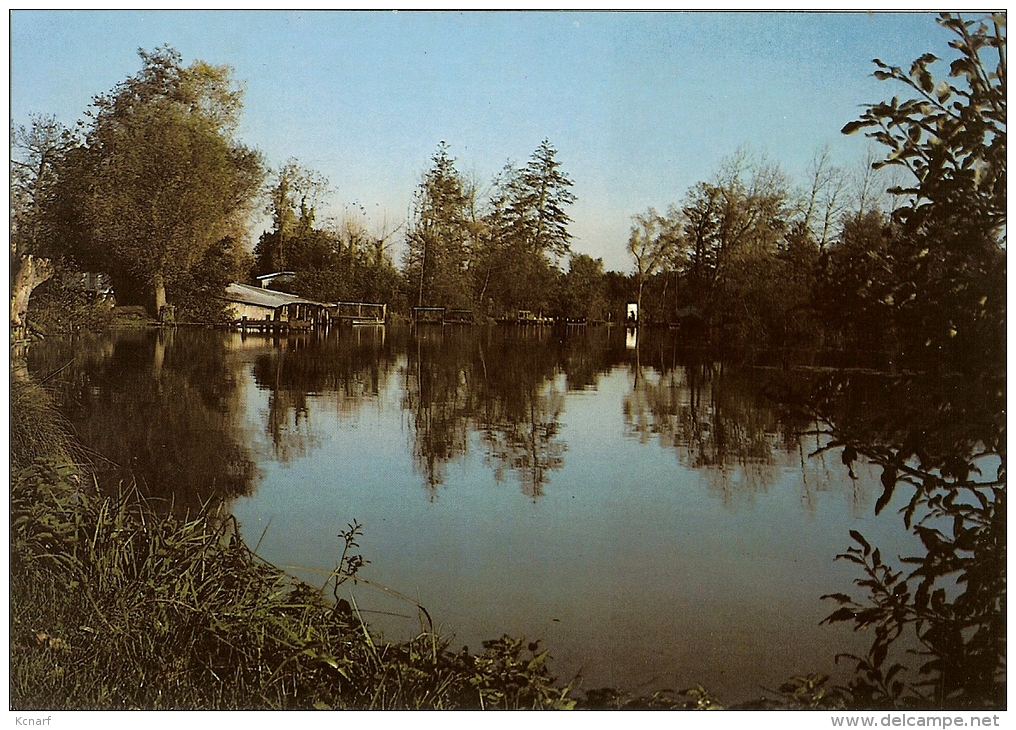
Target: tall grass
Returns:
[37, 428]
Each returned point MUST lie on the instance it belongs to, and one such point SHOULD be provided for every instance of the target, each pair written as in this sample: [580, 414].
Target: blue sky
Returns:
[640, 106]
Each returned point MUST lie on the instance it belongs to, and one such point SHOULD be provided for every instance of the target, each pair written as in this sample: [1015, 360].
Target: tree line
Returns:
[155, 189]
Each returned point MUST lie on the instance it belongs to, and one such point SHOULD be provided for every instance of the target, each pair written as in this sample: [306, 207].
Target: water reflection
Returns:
[342, 369]
[169, 408]
[520, 417]
[728, 422]
[939, 439]
[155, 408]
[437, 399]
[712, 420]
[501, 384]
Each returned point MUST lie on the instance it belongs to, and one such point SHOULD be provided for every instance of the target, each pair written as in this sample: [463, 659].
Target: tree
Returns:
[653, 244]
[292, 202]
[824, 199]
[439, 249]
[537, 207]
[198, 291]
[941, 433]
[495, 241]
[582, 291]
[856, 287]
[167, 179]
[36, 153]
[729, 228]
[949, 271]
[523, 234]
[702, 240]
[870, 184]
[950, 136]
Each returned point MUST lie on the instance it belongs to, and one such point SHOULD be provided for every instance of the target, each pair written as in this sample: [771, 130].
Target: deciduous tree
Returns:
[949, 271]
[941, 436]
[729, 227]
[36, 153]
[653, 244]
[167, 178]
[582, 293]
[293, 200]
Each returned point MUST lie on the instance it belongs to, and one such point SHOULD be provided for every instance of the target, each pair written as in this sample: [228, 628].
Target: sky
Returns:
[640, 106]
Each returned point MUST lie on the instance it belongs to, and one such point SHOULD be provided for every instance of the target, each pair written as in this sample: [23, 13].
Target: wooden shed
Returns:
[256, 308]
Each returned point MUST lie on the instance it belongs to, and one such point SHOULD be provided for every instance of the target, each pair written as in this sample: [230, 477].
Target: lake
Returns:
[651, 513]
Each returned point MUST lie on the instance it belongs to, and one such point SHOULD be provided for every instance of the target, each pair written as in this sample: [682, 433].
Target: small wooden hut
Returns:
[265, 309]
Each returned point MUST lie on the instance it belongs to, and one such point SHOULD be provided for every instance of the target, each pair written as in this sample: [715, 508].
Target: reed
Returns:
[37, 428]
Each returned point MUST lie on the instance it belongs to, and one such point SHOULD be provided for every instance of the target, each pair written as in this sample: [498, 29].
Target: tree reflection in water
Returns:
[722, 420]
[937, 617]
[520, 419]
[153, 408]
[342, 368]
[437, 395]
[503, 384]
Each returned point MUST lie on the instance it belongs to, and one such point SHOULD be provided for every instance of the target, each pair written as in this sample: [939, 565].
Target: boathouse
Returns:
[442, 315]
[428, 315]
[256, 308]
[359, 313]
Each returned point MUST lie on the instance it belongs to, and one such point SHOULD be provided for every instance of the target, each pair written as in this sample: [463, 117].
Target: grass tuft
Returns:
[38, 429]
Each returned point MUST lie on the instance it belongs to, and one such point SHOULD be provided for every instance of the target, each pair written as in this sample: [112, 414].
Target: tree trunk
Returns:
[31, 272]
[638, 305]
[160, 294]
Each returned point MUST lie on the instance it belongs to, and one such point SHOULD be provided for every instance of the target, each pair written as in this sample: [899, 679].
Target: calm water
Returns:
[653, 517]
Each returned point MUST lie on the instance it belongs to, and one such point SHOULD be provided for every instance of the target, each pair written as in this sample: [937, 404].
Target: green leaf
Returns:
[884, 499]
[838, 597]
[840, 614]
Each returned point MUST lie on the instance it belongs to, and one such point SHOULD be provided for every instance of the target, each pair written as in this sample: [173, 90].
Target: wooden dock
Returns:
[359, 314]
[442, 315]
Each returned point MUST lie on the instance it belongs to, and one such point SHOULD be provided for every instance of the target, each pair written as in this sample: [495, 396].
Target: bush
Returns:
[56, 309]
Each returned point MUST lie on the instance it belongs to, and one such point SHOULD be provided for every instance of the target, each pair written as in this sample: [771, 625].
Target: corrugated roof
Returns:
[276, 275]
[259, 297]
